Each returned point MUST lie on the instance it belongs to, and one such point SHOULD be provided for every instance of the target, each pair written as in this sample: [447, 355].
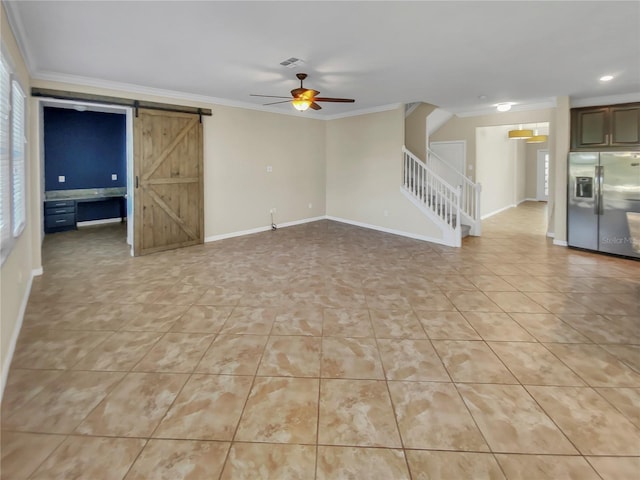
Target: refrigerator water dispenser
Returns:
[584, 187]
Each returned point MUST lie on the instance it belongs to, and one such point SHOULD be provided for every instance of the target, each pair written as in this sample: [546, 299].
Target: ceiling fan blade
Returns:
[329, 99]
[275, 103]
[269, 96]
[296, 92]
[315, 106]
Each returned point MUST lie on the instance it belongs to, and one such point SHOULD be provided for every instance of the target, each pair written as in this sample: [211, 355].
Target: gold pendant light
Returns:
[520, 133]
[538, 139]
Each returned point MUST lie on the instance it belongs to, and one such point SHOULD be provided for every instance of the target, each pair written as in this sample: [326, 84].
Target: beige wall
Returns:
[415, 130]
[18, 268]
[464, 128]
[364, 173]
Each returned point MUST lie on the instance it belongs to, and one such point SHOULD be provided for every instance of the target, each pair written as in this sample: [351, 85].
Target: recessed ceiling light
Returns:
[606, 78]
[503, 107]
[482, 97]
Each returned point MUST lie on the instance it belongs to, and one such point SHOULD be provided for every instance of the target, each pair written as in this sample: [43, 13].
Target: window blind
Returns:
[18, 157]
[5, 156]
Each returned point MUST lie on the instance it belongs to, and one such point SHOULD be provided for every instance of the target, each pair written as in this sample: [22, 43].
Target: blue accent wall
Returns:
[85, 147]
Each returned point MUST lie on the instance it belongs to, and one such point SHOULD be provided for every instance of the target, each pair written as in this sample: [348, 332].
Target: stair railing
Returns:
[433, 193]
[471, 191]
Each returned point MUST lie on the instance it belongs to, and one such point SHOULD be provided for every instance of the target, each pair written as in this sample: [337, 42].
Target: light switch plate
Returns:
[61, 179]
[114, 176]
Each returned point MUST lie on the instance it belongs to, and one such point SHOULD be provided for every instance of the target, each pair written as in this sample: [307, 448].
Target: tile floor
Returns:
[328, 351]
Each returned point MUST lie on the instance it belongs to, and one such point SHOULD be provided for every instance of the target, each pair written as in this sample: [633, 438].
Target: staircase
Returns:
[447, 206]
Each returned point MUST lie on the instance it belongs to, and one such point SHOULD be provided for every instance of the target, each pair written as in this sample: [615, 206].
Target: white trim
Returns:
[551, 235]
[415, 236]
[89, 223]
[241, 233]
[605, 100]
[6, 362]
[192, 97]
[450, 236]
[561, 243]
[538, 105]
[495, 212]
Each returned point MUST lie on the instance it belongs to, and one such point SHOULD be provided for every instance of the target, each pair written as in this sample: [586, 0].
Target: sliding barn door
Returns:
[168, 198]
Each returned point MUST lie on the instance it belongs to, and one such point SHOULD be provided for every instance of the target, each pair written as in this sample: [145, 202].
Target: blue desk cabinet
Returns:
[59, 215]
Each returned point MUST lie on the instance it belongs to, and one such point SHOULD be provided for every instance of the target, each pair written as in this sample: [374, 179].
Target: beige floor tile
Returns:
[54, 349]
[91, 457]
[629, 354]
[388, 300]
[356, 413]
[180, 294]
[411, 360]
[626, 400]
[221, 296]
[135, 407]
[248, 320]
[609, 304]
[446, 326]
[515, 302]
[614, 329]
[497, 327]
[233, 355]
[202, 319]
[179, 460]
[120, 352]
[533, 364]
[175, 353]
[595, 366]
[156, 318]
[433, 416]
[430, 301]
[527, 283]
[280, 410]
[295, 356]
[616, 468]
[22, 453]
[299, 321]
[468, 301]
[490, 283]
[546, 467]
[207, 408]
[62, 405]
[350, 358]
[512, 422]
[427, 465]
[472, 361]
[396, 324]
[23, 385]
[347, 323]
[557, 302]
[250, 461]
[369, 463]
[590, 422]
[546, 327]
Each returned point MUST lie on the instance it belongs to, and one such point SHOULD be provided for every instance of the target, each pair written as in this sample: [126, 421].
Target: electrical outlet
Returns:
[386, 213]
[311, 205]
[273, 210]
[269, 169]
[61, 179]
[114, 176]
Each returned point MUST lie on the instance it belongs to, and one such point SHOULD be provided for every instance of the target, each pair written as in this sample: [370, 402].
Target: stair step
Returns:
[465, 229]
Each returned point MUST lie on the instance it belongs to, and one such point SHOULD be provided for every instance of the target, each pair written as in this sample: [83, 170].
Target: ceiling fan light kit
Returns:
[305, 98]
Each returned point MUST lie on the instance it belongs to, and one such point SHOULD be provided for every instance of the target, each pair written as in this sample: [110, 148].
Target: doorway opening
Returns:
[86, 164]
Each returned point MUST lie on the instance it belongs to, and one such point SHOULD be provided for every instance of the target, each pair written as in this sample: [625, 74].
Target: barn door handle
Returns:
[136, 181]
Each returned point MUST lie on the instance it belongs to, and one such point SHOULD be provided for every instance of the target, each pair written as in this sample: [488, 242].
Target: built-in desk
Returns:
[61, 206]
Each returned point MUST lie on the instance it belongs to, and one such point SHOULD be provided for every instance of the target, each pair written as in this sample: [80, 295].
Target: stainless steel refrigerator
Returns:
[604, 202]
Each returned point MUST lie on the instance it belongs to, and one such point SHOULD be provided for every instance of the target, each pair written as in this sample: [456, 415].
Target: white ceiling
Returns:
[380, 53]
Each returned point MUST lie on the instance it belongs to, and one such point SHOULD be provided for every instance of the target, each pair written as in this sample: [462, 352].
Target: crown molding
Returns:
[605, 100]
[19, 33]
[364, 111]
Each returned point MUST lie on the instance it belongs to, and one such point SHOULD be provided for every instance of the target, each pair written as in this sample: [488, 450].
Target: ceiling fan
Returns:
[304, 98]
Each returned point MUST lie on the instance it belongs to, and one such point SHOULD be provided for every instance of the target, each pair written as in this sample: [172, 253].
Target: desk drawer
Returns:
[59, 210]
[64, 220]
[59, 203]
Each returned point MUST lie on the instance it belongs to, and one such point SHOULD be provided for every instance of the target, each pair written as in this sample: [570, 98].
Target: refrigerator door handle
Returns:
[596, 196]
[601, 191]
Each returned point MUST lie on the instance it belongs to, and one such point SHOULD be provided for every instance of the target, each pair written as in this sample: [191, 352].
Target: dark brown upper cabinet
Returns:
[615, 127]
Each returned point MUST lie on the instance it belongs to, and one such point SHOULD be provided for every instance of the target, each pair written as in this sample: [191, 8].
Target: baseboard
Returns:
[215, 238]
[495, 212]
[415, 236]
[551, 234]
[528, 200]
[6, 362]
[560, 243]
[89, 223]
